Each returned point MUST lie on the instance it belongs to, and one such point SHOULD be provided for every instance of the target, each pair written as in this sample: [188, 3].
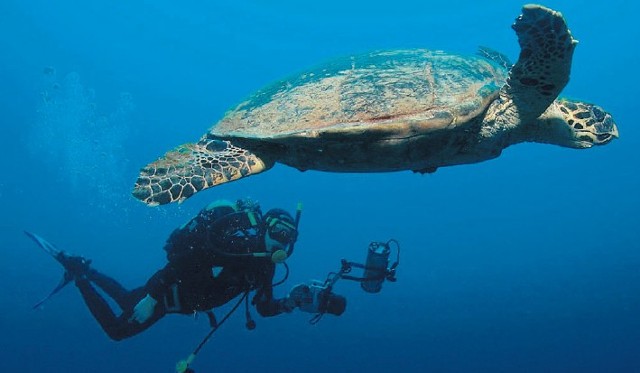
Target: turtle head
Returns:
[575, 124]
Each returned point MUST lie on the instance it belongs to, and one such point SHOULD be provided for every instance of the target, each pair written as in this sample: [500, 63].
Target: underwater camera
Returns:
[319, 297]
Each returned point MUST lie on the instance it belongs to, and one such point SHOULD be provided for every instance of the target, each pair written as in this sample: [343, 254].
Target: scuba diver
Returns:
[228, 249]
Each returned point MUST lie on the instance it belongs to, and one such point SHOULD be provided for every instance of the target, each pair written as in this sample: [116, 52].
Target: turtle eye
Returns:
[606, 125]
[598, 113]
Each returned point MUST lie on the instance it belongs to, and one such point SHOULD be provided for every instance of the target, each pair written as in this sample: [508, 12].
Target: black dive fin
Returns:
[66, 278]
[46, 246]
[54, 252]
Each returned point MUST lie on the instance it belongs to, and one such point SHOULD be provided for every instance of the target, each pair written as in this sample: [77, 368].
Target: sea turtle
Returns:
[393, 110]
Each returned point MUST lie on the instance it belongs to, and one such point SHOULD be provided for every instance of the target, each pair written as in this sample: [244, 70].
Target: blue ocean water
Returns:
[526, 263]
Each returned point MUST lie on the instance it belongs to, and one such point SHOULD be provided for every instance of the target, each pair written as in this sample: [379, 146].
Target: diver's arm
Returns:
[158, 285]
[266, 304]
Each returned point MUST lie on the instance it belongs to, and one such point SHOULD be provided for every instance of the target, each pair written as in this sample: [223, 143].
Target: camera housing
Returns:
[318, 298]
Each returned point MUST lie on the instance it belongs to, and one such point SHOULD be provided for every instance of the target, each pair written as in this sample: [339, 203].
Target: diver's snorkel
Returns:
[296, 223]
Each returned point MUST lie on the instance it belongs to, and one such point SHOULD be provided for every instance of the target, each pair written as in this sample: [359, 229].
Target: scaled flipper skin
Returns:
[544, 64]
[193, 167]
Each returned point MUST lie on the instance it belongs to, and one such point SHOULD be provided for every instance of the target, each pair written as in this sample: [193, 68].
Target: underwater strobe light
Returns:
[376, 268]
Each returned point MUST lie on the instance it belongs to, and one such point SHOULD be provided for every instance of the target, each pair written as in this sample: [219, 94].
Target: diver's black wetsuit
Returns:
[195, 279]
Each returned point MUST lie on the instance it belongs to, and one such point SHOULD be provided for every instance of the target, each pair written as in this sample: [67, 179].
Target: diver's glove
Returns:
[144, 309]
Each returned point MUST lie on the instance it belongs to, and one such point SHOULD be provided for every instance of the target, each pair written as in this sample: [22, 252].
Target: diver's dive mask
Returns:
[282, 231]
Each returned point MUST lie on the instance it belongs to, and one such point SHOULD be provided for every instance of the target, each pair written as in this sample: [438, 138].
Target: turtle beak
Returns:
[599, 133]
[614, 132]
[606, 131]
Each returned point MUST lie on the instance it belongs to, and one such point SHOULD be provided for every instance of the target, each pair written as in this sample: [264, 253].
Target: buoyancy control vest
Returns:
[221, 232]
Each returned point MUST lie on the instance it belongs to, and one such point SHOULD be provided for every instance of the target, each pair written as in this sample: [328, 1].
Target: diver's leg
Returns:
[116, 327]
[77, 267]
[111, 287]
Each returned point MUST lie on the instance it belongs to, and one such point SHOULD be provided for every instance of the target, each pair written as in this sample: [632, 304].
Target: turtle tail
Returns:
[193, 167]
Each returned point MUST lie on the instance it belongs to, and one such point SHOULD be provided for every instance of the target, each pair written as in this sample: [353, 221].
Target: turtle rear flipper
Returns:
[544, 64]
[193, 167]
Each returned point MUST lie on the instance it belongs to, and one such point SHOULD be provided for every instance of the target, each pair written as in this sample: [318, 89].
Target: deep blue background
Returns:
[527, 263]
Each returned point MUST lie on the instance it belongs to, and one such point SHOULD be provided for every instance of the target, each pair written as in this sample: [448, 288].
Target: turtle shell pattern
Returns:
[386, 90]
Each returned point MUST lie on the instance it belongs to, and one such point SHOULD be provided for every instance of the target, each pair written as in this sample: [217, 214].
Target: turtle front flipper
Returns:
[544, 64]
[190, 168]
